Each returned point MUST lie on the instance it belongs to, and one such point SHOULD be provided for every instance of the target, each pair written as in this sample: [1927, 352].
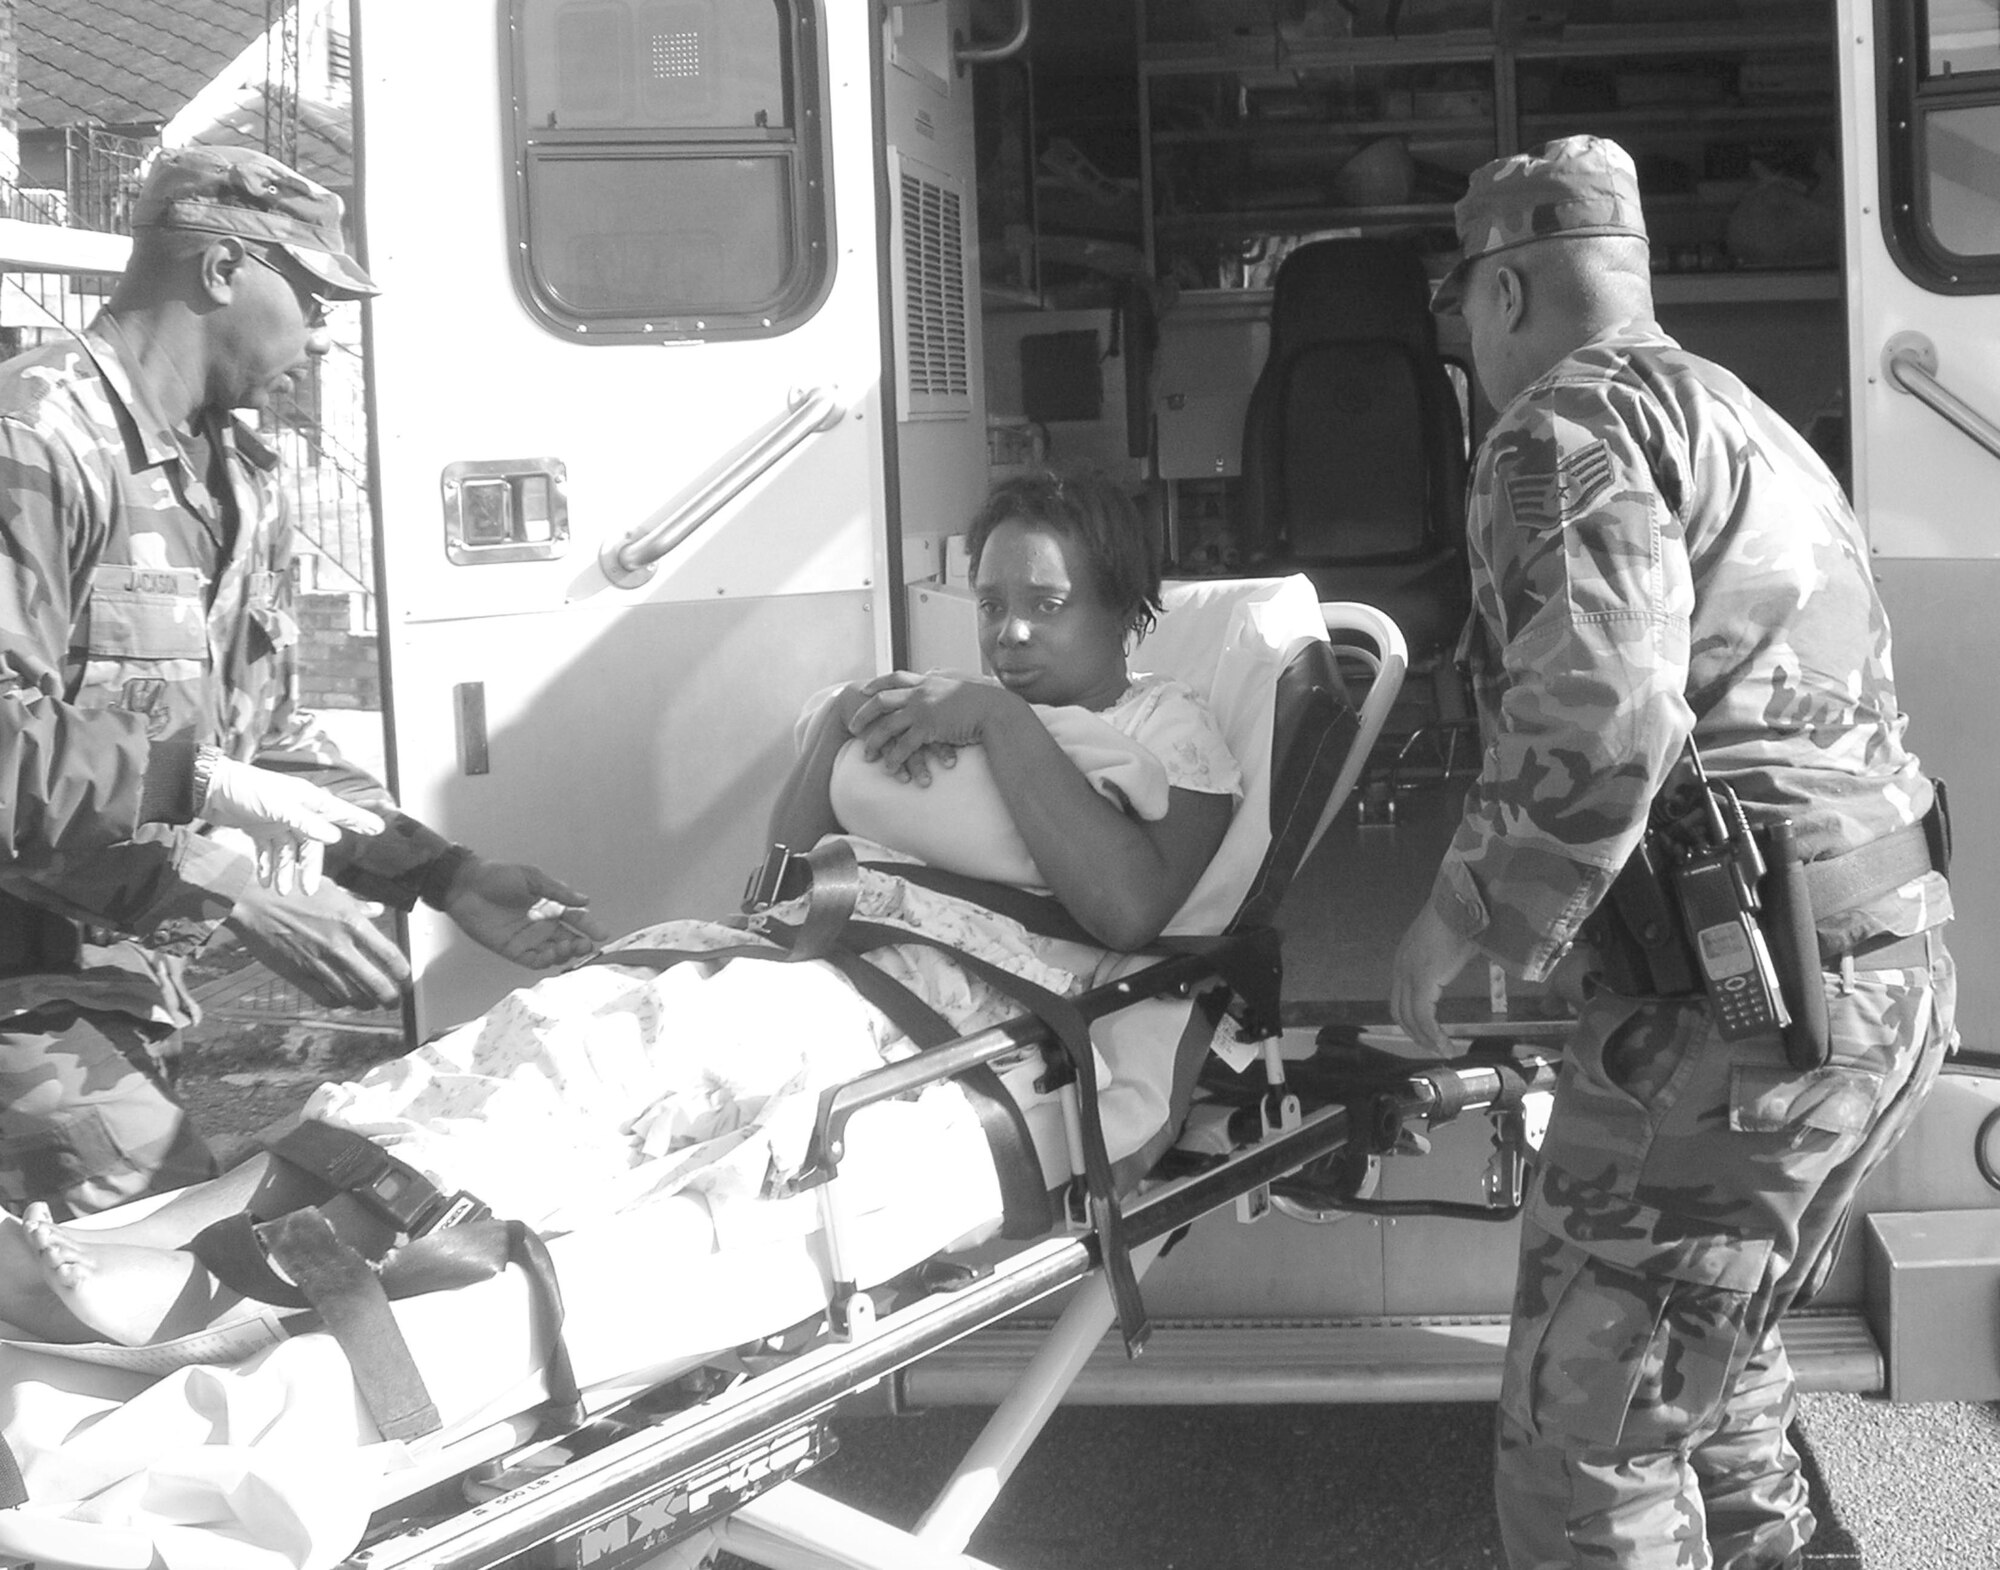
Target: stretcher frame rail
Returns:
[1218, 959]
[631, 1469]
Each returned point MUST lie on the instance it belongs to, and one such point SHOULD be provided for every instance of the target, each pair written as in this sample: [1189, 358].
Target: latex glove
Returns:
[325, 943]
[523, 914]
[291, 821]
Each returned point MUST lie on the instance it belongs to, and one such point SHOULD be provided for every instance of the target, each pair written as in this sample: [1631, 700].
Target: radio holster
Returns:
[1706, 905]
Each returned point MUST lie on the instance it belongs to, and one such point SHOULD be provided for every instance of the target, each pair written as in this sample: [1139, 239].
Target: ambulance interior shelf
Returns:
[1260, 135]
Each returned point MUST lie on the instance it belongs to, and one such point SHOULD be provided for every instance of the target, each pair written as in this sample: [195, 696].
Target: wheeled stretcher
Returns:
[687, 1447]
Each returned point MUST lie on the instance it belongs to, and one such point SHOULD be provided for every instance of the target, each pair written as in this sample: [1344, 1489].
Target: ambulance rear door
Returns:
[627, 410]
[1920, 82]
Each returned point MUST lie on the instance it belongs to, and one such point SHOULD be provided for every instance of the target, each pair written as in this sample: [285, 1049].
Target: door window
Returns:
[669, 166]
[1940, 72]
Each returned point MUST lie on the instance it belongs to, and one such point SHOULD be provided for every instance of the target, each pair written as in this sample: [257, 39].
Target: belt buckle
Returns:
[767, 884]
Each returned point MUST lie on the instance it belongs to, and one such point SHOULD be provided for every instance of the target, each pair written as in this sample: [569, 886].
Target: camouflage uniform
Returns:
[1654, 553]
[145, 608]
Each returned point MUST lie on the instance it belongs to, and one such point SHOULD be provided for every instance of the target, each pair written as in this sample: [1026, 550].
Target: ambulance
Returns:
[707, 324]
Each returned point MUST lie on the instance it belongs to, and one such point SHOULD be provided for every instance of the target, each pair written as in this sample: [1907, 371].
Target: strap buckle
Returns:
[386, 1185]
[784, 875]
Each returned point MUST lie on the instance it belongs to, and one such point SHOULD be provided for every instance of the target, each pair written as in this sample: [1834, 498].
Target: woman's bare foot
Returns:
[127, 1293]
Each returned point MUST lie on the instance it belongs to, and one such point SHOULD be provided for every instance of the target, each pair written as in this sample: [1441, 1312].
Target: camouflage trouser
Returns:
[87, 1119]
[1689, 1190]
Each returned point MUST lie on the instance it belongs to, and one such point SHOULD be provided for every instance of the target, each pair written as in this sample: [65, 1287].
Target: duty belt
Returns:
[1645, 929]
[1840, 883]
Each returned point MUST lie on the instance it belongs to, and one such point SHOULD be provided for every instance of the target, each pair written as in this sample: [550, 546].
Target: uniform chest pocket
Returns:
[140, 614]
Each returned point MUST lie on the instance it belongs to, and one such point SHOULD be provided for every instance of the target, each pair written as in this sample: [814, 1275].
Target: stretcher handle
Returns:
[839, 1103]
[1464, 1086]
[1441, 1093]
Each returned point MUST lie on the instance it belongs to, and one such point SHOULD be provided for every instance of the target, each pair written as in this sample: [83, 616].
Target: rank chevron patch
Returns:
[1553, 499]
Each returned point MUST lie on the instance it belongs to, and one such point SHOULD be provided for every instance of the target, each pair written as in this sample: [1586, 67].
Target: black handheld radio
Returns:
[1716, 868]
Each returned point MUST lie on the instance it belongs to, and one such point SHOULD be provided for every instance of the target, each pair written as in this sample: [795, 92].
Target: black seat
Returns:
[1354, 445]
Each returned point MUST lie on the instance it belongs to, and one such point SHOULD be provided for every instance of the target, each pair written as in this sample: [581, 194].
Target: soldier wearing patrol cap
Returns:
[147, 694]
[1658, 558]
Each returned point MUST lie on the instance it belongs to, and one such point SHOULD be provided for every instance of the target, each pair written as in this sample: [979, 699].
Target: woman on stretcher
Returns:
[606, 1089]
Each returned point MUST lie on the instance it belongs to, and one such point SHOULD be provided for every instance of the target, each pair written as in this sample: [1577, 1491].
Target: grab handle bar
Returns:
[635, 556]
[1910, 362]
[967, 51]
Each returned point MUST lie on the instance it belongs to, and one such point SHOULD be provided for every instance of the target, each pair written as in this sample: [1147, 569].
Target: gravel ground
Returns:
[1913, 1487]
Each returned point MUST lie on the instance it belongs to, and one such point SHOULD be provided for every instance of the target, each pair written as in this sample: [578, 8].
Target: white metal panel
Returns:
[635, 752]
[1926, 495]
[463, 373]
[1923, 488]
[1943, 613]
[637, 735]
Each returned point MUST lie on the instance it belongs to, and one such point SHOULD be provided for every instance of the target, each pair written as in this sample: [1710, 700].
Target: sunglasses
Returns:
[312, 304]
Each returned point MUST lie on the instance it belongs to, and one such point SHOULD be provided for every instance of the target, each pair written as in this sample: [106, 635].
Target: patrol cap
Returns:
[243, 192]
[1577, 186]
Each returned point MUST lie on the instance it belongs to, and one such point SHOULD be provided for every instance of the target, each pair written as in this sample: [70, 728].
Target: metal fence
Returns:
[101, 170]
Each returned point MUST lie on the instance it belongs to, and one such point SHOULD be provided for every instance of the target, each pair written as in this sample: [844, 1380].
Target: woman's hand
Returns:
[908, 722]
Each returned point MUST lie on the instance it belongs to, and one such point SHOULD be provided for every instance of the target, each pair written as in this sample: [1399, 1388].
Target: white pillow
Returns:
[960, 822]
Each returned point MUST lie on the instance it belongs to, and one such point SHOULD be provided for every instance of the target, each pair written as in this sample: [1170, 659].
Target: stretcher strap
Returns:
[1047, 916]
[232, 1253]
[238, 1251]
[835, 887]
[526, 1249]
[339, 1162]
[1042, 914]
[351, 1303]
[235, 1250]
[1025, 1211]
[1072, 1032]
[1243, 963]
